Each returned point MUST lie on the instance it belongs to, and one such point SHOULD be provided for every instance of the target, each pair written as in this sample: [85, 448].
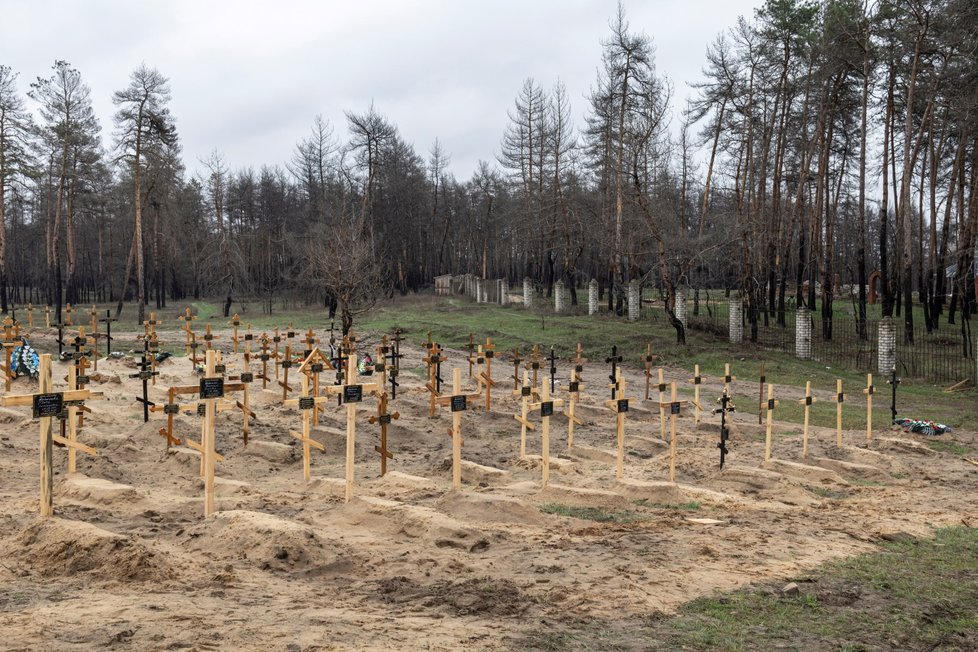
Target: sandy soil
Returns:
[128, 562]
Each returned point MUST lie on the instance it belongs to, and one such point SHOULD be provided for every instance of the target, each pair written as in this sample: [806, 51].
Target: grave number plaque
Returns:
[247, 377]
[145, 375]
[171, 408]
[623, 405]
[458, 403]
[220, 369]
[249, 337]
[385, 419]
[82, 380]
[211, 388]
[201, 410]
[524, 391]
[579, 368]
[48, 405]
[380, 367]
[352, 393]
[674, 408]
[316, 367]
[574, 387]
[307, 402]
[547, 409]
[490, 354]
[770, 404]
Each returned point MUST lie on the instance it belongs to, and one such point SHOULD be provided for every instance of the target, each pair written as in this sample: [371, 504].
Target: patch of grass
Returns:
[952, 447]
[591, 513]
[918, 594]
[691, 506]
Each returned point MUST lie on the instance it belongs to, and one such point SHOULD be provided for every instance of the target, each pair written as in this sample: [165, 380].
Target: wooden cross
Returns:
[339, 361]
[286, 364]
[68, 312]
[209, 337]
[74, 414]
[574, 394]
[48, 405]
[869, 391]
[47, 316]
[471, 349]
[662, 412]
[546, 407]
[310, 341]
[307, 404]
[649, 359]
[30, 315]
[79, 342]
[211, 390]
[380, 365]
[553, 369]
[314, 364]
[249, 337]
[433, 360]
[146, 373]
[9, 339]
[276, 340]
[840, 398]
[290, 334]
[384, 418]
[486, 374]
[349, 343]
[264, 356]
[235, 322]
[534, 364]
[107, 320]
[352, 395]
[726, 406]
[458, 403]
[675, 407]
[620, 406]
[893, 381]
[393, 365]
[697, 380]
[579, 357]
[525, 394]
[93, 320]
[477, 358]
[760, 394]
[807, 401]
[517, 361]
[186, 318]
[194, 345]
[727, 378]
[245, 378]
[614, 360]
[152, 345]
[428, 344]
[771, 404]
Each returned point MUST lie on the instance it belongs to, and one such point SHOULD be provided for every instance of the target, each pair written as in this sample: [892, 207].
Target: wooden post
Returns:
[68, 312]
[727, 379]
[47, 443]
[517, 361]
[534, 364]
[47, 316]
[839, 400]
[384, 418]
[276, 340]
[760, 394]
[433, 360]
[30, 315]
[458, 402]
[306, 405]
[186, 318]
[771, 404]
[235, 322]
[471, 349]
[620, 405]
[525, 394]
[546, 407]
[697, 381]
[807, 401]
[672, 437]
[649, 359]
[209, 337]
[574, 394]
[208, 430]
[286, 364]
[662, 412]
[486, 374]
[352, 394]
[869, 391]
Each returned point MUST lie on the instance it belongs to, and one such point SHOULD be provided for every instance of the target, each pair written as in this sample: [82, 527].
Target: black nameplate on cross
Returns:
[614, 359]
[48, 405]
[352, 393]
[623, 405]
[674, 408]
[211, 388]
[547, 409]
[307, 402]
[458, 403]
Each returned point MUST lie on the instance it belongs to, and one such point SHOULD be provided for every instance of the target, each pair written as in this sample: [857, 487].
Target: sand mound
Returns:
[54, 547]
[904, 446]
[476, 507]
[269, 542]
[653, 492]
[852, 469]
[393, 518]
[95, 490]
[760, 484]
[581, 497]
[859, 455]
[591, 453]
[9, 416]
[804, 472]
[535, 463]
[270, 451]
[398, 481]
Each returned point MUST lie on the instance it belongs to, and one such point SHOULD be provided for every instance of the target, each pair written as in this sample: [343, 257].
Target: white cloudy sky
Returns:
[248, 77]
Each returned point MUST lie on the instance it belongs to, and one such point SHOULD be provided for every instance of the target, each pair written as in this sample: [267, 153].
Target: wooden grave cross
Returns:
[534, 364]
[276, 355]
[662, 405]
[675, 406]
[264, 356]
[290, 334]
[151, 344]
[352, 393]
[485, 375]
[245, 378]
[573, 394]
[249, 337]
[74, 411]
[771, 404]
[47, 405]
[107, 320]
[79, 342]
[517, 361]
[396, 348]
[47, 316]
[433, 360]
[235, 323]
[211, 390]
[186, 318]
[546, 407]
[760, 393]
[458, 402]
[194, 345]
[726, 406]
[620, 406]
[384, 418]
[526, 394]
[146, 373]
[9, 339]
[339, 361]
[209, 338]
[477, 358]
[430, 342]
[380, 364]
[30, 315]
[315, 364]
[310, 341]
[869, 391]
[470, 347]
[893, 381]
[93, 320]
[307, 405]
[807, 402]
[697, 381]
[727, 378]
[840, 398]
[614, 360]
[649, 359]
[393, 366]
[286, 364]
[68, 312]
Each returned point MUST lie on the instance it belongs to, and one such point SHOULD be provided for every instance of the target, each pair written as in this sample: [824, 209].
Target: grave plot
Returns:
[450, 536]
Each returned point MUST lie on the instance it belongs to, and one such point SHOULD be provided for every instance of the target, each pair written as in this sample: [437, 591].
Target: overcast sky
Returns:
[249, 77]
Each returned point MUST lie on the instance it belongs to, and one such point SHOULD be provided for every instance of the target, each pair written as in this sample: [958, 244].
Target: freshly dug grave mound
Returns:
[95, 490]
[475, 507]
[54, 547]
[392, 518]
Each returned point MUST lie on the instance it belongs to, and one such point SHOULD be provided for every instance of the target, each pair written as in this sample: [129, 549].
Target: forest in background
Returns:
[829, 140]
